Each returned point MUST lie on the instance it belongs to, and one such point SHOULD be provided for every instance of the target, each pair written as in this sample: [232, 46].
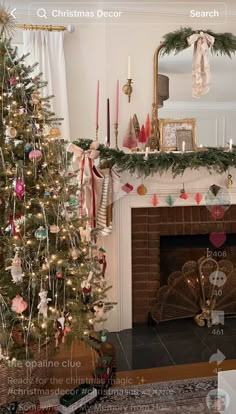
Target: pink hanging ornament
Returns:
[127, 188]
[18, 304]
[155, 200]
[142, 139]
[19, 189]
[130, 140]
[148, 126]
[198, 198]
[35, 155]
[13, 81]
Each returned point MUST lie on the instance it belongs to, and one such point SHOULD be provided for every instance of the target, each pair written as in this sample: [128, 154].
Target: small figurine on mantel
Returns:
[152, 143]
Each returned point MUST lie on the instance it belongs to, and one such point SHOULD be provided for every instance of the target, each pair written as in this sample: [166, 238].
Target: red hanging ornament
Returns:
[142, 136]
[183, 194]
[102, 261]
[198, 198]
[148, 126]
[19, 189]
[14, 223]
[59, 274]
[155, 201]
[142, 190]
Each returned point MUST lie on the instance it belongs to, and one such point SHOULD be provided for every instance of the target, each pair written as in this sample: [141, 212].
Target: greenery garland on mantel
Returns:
[213, 159]
[224, 44]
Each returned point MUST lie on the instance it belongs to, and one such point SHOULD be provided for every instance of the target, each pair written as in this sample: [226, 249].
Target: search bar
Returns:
[126, 12]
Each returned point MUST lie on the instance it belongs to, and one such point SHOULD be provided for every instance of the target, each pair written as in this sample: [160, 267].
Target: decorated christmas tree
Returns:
[52, 286]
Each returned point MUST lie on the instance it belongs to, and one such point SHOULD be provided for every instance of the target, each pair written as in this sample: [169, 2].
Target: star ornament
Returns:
[7, 22]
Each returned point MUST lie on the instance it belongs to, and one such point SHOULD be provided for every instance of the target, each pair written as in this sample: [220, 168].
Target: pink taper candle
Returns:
[117, 102]
[97, 105]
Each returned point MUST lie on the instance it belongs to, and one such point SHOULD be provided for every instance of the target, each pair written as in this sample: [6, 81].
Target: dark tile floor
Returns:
[172, 343]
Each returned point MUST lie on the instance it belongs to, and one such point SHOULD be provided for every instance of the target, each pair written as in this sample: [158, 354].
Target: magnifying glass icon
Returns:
[42, 13]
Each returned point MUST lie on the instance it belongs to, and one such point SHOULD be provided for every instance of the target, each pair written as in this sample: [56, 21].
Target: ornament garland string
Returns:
[214, 159]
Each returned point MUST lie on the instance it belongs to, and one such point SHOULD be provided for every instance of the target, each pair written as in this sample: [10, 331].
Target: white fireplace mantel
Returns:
[118, 244]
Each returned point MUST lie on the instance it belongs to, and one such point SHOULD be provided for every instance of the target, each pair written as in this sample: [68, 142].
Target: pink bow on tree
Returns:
[86, 161]
[201, 66]
[79, 154]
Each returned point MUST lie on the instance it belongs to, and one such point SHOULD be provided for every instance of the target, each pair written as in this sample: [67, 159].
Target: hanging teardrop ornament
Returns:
[229, 181]
[19, 189]
[198, 198]
[142, 190]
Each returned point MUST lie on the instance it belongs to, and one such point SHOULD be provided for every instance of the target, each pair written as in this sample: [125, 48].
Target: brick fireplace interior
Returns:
[158, 232]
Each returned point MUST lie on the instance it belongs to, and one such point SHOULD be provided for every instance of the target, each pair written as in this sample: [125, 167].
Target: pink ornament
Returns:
[127, 188]
[155, 200]
[13, 81]
[18, 305]
[35, 155]
[198, 198]
[19, 189]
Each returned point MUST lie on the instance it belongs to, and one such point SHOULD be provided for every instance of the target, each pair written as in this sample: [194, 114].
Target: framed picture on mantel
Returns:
[174, 131]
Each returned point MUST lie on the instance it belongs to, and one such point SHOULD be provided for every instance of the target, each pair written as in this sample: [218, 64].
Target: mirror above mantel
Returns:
[214, 112]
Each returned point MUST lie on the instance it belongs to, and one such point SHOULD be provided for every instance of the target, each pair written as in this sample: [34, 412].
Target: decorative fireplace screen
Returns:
[198, 289]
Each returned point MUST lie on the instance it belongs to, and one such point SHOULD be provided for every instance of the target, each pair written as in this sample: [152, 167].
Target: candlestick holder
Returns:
[116, 136]
[127, 89]
[96, 136]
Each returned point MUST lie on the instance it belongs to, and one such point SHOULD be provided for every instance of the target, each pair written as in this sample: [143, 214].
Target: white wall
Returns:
[99, 51]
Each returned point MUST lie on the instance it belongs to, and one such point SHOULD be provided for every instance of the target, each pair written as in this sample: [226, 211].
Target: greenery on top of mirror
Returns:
[175, 42]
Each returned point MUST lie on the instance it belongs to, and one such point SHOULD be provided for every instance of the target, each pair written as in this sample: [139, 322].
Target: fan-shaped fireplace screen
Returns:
[197, 290]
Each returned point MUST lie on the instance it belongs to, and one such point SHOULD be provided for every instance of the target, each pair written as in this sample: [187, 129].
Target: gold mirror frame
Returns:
[155, 126]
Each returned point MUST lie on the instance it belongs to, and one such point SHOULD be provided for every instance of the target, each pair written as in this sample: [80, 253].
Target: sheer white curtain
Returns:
[47, 49]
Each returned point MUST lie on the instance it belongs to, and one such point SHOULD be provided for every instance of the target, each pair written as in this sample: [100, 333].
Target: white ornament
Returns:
[99, 310]
[16, 269]
[43, 305]
[85, 234]
[86, 283]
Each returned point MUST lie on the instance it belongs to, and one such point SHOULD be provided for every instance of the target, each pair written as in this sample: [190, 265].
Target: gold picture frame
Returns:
[169, 127]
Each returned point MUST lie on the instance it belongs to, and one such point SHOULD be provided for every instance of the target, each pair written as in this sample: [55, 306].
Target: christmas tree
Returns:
[52, 286]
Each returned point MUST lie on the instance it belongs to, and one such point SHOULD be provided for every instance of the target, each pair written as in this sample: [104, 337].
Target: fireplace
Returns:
[163, 231]
[133, 248]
